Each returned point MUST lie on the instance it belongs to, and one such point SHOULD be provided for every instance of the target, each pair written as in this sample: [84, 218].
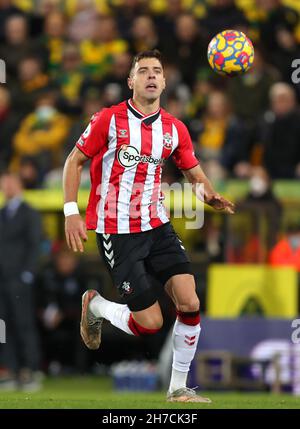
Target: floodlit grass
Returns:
[97, 393]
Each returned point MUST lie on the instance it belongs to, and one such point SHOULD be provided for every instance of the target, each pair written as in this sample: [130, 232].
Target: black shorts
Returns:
[133, 259]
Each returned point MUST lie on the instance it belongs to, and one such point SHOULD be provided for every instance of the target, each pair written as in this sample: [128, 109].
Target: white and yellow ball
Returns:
[230, 53]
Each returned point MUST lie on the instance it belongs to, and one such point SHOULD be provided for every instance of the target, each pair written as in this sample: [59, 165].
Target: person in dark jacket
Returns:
[9, 122]
[20, 232]
[280, 133]
[60, 286]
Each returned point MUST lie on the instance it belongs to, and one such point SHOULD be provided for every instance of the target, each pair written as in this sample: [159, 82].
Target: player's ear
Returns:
[129, 82]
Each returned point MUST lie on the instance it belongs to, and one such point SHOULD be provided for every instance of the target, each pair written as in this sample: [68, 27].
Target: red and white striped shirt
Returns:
[128, 149]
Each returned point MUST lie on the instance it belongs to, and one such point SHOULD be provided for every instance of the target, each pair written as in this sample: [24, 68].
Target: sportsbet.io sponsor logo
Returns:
[129, 156]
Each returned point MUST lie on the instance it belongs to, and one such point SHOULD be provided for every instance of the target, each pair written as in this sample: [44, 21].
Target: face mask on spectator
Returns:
[294, 241]
[44, 113]
[258, 186]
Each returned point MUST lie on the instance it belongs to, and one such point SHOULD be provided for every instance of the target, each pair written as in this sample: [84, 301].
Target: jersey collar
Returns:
[147, 119]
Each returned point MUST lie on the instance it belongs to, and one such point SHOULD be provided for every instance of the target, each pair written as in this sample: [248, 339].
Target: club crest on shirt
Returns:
[126, 288]
[167, 140]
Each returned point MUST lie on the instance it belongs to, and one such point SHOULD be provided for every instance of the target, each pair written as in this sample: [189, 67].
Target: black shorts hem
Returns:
[144, 300]
[183, 268]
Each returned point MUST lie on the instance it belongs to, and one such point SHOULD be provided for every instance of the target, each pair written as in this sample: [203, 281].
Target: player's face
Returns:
[147, 79]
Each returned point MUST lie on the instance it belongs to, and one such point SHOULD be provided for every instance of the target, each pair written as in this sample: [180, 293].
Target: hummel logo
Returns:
[190, 341]
[123, 133]
[108, 252]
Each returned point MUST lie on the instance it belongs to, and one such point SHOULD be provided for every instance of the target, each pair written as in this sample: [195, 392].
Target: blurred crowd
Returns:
[67, 59]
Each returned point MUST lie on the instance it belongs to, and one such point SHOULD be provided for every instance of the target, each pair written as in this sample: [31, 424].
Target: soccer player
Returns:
[127, 145]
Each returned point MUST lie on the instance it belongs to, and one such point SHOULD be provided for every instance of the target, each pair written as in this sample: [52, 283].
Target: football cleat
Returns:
[186, 395]
[90, 325]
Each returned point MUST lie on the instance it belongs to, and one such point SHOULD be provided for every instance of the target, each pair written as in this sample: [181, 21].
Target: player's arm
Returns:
[206, 193]
[187, 162]
[75, 228]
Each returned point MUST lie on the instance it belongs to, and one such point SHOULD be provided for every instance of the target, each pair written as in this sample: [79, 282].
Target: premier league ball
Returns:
[230, 53]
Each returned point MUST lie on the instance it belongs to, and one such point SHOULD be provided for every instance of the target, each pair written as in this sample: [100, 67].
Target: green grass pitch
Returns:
[97, 393]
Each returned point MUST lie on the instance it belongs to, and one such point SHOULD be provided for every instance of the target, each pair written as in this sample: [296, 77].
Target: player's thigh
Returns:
[182, 290]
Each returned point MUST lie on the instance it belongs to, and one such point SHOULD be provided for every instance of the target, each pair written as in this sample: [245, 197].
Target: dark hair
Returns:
[155, 53]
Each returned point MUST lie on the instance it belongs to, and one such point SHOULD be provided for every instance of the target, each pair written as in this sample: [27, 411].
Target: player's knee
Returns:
[145, 325]
[155, 323]
[189, 306]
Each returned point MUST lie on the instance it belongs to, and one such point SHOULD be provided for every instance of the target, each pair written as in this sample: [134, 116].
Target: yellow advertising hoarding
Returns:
[234, 290]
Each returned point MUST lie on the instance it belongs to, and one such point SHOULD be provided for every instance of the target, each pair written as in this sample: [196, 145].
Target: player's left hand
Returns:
[219, 203]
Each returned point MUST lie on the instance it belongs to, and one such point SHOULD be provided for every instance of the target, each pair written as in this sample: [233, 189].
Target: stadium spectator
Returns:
[60, 285]
[42, 135]
[29, 173]
[218, 136]
[113, 87]
[92, 103]
[17, 43]
[45, 7]
[8, 124]
[286, 252]
[278, 33]
[175, 85]
[114, 84]
[289, 50]
[278, 24]
[222, 14]
[253, 86]
[280, 133]
[166, 20]
[81, 24]
[176, 107]
[264, 211]
[97, 52]
[126, 12]
[187, 48]
[51, 42]
[7, 9]
[144, 35]
[20, 231]
[201, 89]
[31, 83]
[69, 80]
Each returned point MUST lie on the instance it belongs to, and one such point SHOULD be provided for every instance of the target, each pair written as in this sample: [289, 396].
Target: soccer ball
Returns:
[230, 53]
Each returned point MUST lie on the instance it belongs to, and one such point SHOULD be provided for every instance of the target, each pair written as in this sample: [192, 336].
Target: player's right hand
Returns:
[75, 230]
